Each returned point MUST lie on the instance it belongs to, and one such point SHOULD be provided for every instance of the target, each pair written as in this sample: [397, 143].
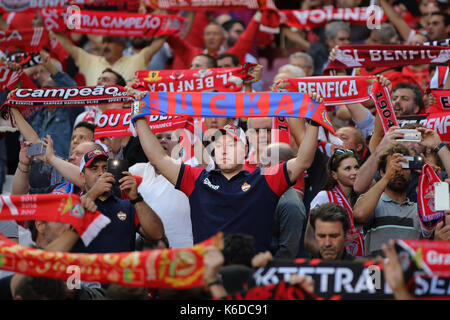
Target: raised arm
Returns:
[394, 18]
[150, 50]
[24, 127]
[158, 158]
[245, 42]
[431, 140]
[66, 44]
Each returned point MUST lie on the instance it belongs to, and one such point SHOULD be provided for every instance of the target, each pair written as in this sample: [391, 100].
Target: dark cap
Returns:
[89, 157]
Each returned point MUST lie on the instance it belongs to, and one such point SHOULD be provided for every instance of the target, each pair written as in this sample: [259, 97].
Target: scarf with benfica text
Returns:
[232, 105]
[112, 23]
[26, 39]
[369, 56]
[168, 268]
[194, 80]
[338, 90]
[64, 208]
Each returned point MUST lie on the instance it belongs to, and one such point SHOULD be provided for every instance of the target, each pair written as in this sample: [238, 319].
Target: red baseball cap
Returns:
[90, 156]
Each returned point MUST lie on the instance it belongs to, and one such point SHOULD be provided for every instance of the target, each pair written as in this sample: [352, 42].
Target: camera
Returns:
[411, 135]
[116, 167]
[414, 163]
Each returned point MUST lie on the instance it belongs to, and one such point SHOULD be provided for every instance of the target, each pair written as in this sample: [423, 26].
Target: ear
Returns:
[40, 226]
[334, 175]
[82, 177]
[359, 147]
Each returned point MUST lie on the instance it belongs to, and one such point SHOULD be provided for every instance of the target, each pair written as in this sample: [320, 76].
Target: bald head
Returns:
[276, 153]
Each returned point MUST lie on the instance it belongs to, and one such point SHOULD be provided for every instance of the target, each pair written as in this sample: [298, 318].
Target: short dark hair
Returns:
[211, 60]
[394, 147]
[227, 25]
[120, 80]
[87, 125]
[121, 40]
[33, 230]
[233, 57]
[330, 212]
[418, 95]
[445, 15]
[239, 249]
[40, 288]
[118, 292]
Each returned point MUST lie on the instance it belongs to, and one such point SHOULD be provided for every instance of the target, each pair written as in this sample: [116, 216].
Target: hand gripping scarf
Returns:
[113, 23]
[437, 121]
[64, 208]
[169, 268]
[369, 56]
[429, 217]
[232, 105]
[194, 80]
[338, 90]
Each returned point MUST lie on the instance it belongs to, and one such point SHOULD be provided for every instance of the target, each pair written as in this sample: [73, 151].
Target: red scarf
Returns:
[194, 80]
[116, 123]
[169, 268]
[442, 101]
[209, 5]
[280, 130]
[72, 96]
[64, 208]
[354, 243]
[436, 121]
[309, 19]
[338, 90]
[26, 39]
[115, 23]
[429, 217]
[369, 56]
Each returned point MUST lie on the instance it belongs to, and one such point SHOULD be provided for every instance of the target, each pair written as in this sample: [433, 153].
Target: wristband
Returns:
[21, 170]
[138, 199]
[218, 281]
[439, 147]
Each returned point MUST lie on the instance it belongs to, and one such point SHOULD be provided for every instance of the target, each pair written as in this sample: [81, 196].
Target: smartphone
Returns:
[116, 167]
[411, 135]
[35, 149]
[414, 163]
[441, 196]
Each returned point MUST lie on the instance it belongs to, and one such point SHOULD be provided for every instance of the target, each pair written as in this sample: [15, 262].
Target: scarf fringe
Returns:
[94, 228]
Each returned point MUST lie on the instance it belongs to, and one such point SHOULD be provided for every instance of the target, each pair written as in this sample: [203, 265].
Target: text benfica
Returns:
[341, 88]
[148, 22]
[390, 55]
[66, 93]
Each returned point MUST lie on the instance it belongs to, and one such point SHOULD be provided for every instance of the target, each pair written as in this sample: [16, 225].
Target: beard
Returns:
[398, 184]
[139, 43]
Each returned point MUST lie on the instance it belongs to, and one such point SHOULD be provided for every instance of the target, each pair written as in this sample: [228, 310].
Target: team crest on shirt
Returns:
[245, 187]
[121, 215]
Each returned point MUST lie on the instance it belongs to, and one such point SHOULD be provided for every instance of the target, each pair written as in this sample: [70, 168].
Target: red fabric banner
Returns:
[71, 96]
[436, 121]
[280, 130]
[169, 268]
[116, 123]
[429, 217]
[314, 18]
[209, 4]
[64, 208]
[369, 56]
[25, 39]
[113, 23]
[383, 103]
[442, 101]
[194, 80]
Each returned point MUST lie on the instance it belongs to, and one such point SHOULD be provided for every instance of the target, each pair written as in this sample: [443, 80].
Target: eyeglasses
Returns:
[342, 151]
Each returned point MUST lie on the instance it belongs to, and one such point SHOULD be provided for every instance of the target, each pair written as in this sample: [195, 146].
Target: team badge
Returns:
[121, 215]
[245, 187]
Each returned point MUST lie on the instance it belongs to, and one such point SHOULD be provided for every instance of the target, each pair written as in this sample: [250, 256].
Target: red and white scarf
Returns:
[116, 123]
[209, 4]
[442, 104]
[26, 39]
[338, 90]
[354, 243]
[429, 217]
[369, 56]
[440, 122]
[194, 80]
[64, 208]
[71, 96]
[280, 130]
[113, 23]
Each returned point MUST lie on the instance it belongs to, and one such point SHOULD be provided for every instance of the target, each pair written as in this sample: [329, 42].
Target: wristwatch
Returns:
[138, 199]
[439, 147]
[218, 281]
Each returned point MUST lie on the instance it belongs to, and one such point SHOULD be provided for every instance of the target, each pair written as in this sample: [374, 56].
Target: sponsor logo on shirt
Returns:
[209, 184]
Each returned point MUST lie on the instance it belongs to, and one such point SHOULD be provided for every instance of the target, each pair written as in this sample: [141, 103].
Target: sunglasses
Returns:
[342, 151]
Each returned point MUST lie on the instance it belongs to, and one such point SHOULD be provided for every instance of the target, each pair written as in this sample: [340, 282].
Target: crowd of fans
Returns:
[267, 209]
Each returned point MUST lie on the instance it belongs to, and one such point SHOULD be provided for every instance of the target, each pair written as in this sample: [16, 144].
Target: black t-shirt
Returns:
[5, 288]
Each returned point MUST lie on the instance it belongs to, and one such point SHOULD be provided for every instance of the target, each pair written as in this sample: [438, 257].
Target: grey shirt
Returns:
[9, 228]
[391, 220]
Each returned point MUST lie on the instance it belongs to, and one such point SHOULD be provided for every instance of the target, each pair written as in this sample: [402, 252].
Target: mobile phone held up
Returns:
[411, 135]
[441, 196]
[116, 167]
[35, 149]
[414, 163]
